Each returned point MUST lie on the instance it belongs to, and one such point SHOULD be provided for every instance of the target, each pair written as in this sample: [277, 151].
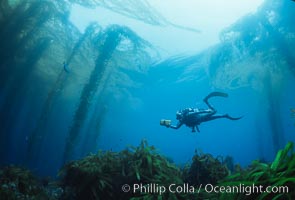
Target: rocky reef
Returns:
[102, 175]
[18, 183]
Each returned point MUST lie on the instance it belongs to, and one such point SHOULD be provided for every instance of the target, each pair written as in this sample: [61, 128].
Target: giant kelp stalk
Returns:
[36, 35]
[21, 78]
[109, 40]
[260, 138]
[38, 134]
[20, 51]
[282, 59]
[280, 28]
[93, 129]
[257, 52]
[37, 39]
[129, 62]
[7, 116]
[273, 113]
[17, 34]
[28, 34]
[4, 10]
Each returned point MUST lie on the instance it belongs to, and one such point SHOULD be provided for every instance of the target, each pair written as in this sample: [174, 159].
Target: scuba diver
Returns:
[193, 117]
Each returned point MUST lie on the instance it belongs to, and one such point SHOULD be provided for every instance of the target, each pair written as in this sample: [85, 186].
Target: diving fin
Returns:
[232, 118]
[216, 94]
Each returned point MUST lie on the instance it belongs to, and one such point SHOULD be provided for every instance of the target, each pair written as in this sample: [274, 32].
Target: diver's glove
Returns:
[165, 122]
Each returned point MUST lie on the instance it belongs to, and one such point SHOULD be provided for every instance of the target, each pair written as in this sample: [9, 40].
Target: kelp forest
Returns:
[41, 46]
[57, 85]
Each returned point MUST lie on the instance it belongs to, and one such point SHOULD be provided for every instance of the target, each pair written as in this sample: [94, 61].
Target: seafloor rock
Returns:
[20, 184]
[205, 169]
[102, 175]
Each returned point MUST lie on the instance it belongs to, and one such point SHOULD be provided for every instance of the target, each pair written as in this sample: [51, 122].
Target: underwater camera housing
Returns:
[165, 122]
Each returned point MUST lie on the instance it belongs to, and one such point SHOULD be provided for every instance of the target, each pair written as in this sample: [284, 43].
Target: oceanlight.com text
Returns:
[246, 189]
[154, 188]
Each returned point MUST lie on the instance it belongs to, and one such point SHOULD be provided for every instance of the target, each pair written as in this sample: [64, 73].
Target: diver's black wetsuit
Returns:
[194, 117]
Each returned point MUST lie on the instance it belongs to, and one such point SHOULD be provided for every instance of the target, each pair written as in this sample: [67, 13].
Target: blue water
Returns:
[136, 91]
